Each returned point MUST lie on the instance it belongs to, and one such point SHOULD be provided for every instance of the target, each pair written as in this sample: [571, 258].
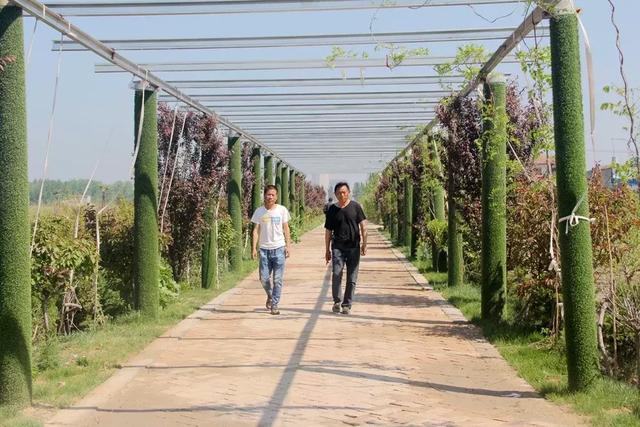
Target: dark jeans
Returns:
[340, 258]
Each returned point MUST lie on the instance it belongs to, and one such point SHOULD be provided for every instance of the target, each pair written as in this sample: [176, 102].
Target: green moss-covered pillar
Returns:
[146, 253]
[256, 197]
[285, 187]
[234, 194]
[575, 245]
[408, 211]
[400, 220]
[293, 196]
[394, 213]
[209, 267]
[455, 260]
[15, 272]
[415, 213]
[303, 196]
[439, 258]
[268, 171]
[278, 183]
[494, 200]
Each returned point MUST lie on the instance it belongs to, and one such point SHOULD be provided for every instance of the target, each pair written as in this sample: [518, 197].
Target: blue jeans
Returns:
[339, 259]
[272, 263]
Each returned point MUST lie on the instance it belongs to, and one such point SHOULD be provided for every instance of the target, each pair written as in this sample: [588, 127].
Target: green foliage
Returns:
[234, 193]
[467, 61]
[169, 289]
[56, 256]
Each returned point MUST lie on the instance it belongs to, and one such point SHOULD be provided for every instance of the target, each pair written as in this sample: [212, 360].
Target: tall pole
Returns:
[268, 171]
[285, 187]
[573, 208]
[15, 271]
[293, 195]
[209, 263]
[408, 211]
[454, 257]
[394, 215]
[302, 192]
[145, 202]
[439, 261]
[256, 199]
[234, 194]
[415, 207]
[278, 182]
[494, 200]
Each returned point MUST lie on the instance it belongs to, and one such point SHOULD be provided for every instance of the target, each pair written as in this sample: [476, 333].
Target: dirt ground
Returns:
[402, 357]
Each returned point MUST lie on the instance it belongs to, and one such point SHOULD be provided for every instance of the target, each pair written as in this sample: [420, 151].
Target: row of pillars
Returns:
[575, 244]
[15, 273]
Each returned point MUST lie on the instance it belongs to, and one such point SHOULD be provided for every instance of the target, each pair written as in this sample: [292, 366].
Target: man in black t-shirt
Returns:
[345, 228]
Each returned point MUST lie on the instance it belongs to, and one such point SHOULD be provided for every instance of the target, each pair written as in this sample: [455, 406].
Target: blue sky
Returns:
[91, 107]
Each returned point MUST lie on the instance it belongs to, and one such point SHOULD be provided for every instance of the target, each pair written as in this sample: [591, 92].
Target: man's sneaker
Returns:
[274, 310]
[346, 310]
[336, 308]
[268, 303]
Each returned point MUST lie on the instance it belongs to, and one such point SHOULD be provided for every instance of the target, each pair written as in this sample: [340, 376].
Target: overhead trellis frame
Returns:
[408, 37]
[433, 95]
[58, 23]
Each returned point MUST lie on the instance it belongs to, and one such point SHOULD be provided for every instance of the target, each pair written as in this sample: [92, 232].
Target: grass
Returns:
[540, 360]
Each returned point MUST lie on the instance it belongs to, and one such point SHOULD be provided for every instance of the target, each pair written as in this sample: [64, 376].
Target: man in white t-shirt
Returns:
[271, 231]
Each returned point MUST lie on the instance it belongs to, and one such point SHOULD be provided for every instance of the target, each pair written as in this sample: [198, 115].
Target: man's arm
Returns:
[287, 239]
[327, 245]
[255, 237]
[363, 234]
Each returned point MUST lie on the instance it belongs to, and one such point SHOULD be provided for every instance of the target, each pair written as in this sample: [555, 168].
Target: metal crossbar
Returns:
[435, 95]
[407, 37]
[210, 7]
[287, 64]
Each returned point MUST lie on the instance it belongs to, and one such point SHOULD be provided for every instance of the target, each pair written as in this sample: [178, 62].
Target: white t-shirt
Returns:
[271, 233]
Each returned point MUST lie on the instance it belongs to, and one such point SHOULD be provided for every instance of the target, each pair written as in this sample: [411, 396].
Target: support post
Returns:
[454, 256]
[303, 195]
[415, 210]
[209, 267]
[15, 272]
[408, 211]
[145, 204]
[439, 261]
[268, 171]
[400, 207]
[293, 195]
[285, 187]
[279, 182]
[234, 194]
[494, 200]
[575, 244]
[394, 218]
[256, 159]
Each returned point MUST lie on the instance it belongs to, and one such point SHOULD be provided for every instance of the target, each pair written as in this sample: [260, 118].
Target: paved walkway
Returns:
[403, 357]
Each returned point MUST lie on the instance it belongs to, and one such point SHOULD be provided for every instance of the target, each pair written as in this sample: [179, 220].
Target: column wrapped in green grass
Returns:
[15, 274]
[145, 203]
[234, 194]
[268, 171]
[575, 241]
[285, 187]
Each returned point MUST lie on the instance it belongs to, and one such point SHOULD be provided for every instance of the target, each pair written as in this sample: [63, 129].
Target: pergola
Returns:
[300, 110]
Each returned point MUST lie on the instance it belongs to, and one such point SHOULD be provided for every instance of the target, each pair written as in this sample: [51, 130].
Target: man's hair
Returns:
[341, 184]
[270, 187]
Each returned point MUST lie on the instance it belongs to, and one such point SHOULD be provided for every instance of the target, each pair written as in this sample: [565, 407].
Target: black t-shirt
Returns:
[344, 223]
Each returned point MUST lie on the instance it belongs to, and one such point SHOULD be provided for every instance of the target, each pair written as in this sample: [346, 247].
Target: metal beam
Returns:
[58, 23]
[211, 7]
[433, 95]
[406, 37]
[337, 82]
[284, 64]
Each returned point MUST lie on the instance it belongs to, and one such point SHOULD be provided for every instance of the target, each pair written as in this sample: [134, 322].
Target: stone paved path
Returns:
[403, 357]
